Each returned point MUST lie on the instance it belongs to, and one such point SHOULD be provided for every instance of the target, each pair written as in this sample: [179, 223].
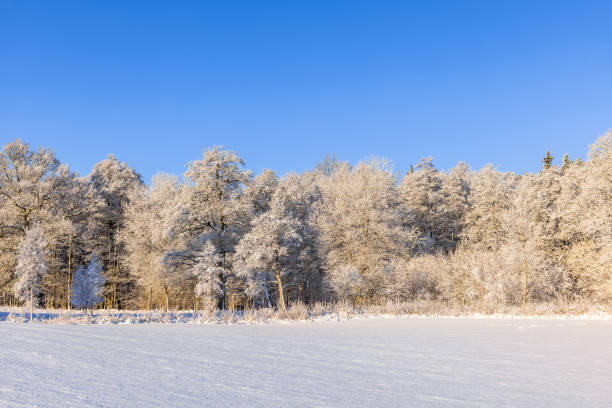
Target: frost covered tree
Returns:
[329, 165]
[300, 195]
[88, 284]
[343, 232]
[258, 193]
[33, 185]
[361, 222]
[212, 210]
[31, 266]
[208, 271]
[589, 217]
[453, 206]
[346, 282]
[521, 227]
[547, 161]
[270, 251]
[72, 239]
[113, 181]
[491, 193]
[421, 196]
[147, 237]
[567, 163]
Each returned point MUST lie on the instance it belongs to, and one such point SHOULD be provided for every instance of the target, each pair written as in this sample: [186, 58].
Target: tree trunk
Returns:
[165, 299]
[524, 244]
[195, 304]
[31, 301]
[281, 298]
[524, 280]
[68, 292]
[267, 297]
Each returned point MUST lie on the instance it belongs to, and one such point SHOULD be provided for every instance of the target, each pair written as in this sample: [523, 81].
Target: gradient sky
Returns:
[285, 82]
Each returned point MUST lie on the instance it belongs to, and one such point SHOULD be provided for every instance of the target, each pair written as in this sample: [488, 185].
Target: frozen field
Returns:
[399, 362]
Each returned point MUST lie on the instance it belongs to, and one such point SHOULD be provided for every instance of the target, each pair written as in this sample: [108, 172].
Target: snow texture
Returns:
[395, 362]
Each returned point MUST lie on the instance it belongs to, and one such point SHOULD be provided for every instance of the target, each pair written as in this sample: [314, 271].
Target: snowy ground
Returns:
[394, 362]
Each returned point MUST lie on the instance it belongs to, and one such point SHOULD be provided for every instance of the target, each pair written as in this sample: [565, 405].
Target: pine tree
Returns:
[547, 161]
[31, 266]
[567, 163]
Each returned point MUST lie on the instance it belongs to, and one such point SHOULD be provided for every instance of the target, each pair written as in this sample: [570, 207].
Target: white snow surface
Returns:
[376, 362]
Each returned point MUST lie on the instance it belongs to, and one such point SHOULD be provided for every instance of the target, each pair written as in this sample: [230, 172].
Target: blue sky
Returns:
[283, 83]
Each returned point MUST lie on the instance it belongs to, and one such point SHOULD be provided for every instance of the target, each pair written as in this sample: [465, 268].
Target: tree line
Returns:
[221, 237]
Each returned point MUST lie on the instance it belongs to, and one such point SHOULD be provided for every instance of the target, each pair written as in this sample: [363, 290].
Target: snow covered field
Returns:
[388, 362]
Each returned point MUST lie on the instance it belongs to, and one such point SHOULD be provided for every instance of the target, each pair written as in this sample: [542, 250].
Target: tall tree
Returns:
[270, 251]
[454, 206]
[113, 181]
[147, 236]
[213, 210]
[422, 197]
[490, 196]
[361, 222]
[547, 161]
[33, 184]
[31, 266]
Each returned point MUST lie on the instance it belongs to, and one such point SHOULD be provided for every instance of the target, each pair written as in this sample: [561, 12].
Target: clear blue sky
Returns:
[283, 83]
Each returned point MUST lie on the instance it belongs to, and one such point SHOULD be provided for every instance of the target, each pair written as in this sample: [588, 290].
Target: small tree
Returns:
[346, 282]
[88, 284]
[31, 266]
[567, 163]
[208, 272]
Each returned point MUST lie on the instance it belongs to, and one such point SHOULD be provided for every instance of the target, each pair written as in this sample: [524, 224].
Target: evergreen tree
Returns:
[567, 163]
[547, 161]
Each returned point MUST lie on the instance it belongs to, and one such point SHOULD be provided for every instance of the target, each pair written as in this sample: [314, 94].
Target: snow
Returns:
[389, 362]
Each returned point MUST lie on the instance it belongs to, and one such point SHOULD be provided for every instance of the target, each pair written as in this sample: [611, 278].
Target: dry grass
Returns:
[319, 311]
